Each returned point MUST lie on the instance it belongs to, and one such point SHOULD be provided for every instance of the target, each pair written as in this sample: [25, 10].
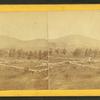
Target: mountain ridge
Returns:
[69, 42]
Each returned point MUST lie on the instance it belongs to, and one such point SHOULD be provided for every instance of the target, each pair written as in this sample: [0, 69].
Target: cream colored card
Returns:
[49, 50]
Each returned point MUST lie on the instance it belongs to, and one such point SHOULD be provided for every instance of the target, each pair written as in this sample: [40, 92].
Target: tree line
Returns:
[78, 52]
[88, 52]
[40, 54]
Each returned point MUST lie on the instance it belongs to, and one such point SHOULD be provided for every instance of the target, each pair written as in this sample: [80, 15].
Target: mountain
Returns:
[76, 41]
[69, 42]
[9, 42]
[37, 44]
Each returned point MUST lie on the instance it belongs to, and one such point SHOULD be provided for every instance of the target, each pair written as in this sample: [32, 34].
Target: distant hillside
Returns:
[69, 42]
[76, 41]
[9, 42]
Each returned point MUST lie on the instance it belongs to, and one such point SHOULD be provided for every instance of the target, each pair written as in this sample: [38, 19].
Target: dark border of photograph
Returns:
[49, 1]
[51, 98]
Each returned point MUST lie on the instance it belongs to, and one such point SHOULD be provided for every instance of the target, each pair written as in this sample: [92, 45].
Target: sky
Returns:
[33, 25]
[74, 22]
[24, 25]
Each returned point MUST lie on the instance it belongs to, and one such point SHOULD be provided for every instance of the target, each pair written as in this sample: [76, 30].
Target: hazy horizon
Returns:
[50, 38]
[34, 25]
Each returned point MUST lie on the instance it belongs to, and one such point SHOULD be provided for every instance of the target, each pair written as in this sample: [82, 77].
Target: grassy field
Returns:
[76, 73]
[14, 75]
[56, 73]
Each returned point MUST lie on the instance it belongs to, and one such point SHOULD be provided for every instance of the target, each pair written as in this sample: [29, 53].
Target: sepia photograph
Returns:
[50, 50]
[74, 50]
[23, 51]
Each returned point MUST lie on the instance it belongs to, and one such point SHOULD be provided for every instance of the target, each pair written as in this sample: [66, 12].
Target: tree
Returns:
[45, 54]
[64, 51]
[50, 51]
[35, 54]
[12, 52]
[20, 53]
[77, 52]
[30, 55]
[40, 54]
[88, 52]
[57, 51]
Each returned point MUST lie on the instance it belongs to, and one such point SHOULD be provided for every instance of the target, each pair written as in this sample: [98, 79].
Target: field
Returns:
[23, 74]
[74, 73]
[54, 73]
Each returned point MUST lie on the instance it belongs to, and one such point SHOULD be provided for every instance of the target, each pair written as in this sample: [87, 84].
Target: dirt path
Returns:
[51, 65]
[22, 68]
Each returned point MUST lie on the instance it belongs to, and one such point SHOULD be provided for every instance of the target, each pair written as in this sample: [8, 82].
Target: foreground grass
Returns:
[79, 75]
[13, 78]
[62, 73]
